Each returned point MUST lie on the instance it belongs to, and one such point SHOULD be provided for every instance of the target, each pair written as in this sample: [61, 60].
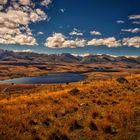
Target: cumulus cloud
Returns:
[24, 2]
[3, 2]
[76, 33]
[132, 17]
[58, 40]
[133, 41]
[95, 33]
[38, 15]
[46, 2]
[15, 19]
[120, 21]
[109, 42]
[14, 16]
[20, 39]
[135, 30]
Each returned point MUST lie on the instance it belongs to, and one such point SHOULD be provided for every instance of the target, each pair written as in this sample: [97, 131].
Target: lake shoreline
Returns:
[50, 78]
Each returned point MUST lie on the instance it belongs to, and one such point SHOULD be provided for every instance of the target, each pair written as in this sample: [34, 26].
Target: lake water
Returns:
[46, 79]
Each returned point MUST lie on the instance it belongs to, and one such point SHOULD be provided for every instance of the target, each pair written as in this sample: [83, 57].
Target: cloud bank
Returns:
[26, 51]
[135, 30]
[109, 42]
[58, 40]
[15, 20]
[133, 41]
[17, 15]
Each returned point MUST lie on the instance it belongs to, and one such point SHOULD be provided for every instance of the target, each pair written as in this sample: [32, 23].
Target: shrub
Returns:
[75, 125]
[58, 136]
[110, 129]
[122, 80]
[93, 126]
[74, 91]
[95, 115]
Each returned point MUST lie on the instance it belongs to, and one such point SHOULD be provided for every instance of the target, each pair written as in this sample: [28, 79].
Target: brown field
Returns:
[103, 107]
[10, 70]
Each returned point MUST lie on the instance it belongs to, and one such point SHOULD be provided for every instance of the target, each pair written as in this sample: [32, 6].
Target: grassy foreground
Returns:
[98, 110]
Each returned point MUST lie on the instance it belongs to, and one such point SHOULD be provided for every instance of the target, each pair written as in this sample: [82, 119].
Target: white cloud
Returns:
[76, 33]
[24, 2]
[17, 39]
[120, 21]
[95, 33]
[74, 43]
[27, 50]
[133, 41]
[6, 30]
[135, 30]
[62, 10]
[15, 20]
[58, 40]
[37, 15]
[16, 17]
[109, 42]
[40, 33]
[46, 2]
[3, 2]
[81, 55]
[131, 17]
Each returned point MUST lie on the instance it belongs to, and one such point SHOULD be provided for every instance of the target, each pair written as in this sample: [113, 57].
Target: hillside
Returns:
[102, 110]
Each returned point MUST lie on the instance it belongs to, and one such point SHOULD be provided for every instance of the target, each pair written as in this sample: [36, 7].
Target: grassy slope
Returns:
[100, 110]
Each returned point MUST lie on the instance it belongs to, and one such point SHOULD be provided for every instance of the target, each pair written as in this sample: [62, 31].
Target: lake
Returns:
[46, 79]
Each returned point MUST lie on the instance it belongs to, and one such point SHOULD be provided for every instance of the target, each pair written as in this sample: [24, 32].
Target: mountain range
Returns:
[31, 57]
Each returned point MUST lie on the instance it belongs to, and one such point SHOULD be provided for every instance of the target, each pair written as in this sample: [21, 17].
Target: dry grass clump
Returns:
[104, 109]
[122, 80]
[93, 126]
[57, 135]
[74, 91]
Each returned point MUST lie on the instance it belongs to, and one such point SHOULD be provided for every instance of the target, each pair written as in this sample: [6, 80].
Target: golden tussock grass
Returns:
[100, 110]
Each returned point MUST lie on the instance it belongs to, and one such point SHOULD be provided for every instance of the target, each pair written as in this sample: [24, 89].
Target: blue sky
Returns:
[110, 18]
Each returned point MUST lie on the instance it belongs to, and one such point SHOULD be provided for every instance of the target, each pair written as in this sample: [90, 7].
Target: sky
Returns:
[71, 26]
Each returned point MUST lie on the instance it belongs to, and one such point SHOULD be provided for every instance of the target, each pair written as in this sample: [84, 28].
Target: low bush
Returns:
[122, 80]
[74, 91]
[58, 136]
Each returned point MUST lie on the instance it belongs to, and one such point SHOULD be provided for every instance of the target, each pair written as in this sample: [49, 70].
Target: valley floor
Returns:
[94, 109]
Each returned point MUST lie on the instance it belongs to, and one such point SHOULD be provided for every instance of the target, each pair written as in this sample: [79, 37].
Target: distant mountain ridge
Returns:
[6, 56]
